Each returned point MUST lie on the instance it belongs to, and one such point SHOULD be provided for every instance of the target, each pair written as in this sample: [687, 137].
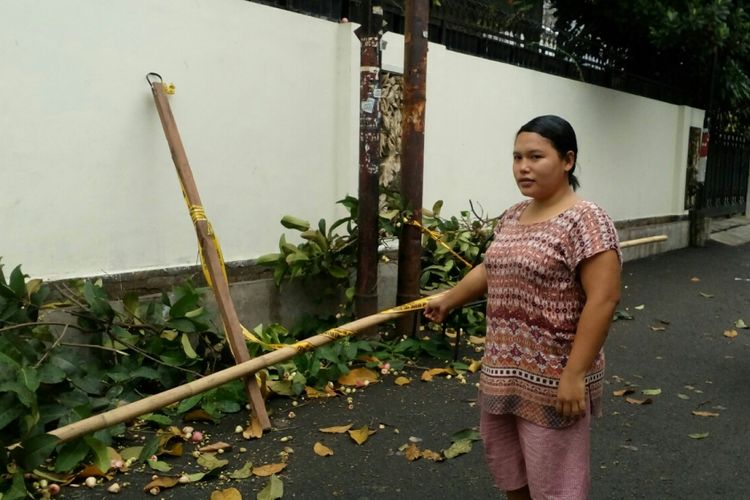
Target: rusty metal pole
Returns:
[412, 155]
[369, 34]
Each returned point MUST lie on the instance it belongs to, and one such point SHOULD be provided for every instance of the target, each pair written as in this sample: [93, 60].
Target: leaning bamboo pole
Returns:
[213, 265]
[240, 370]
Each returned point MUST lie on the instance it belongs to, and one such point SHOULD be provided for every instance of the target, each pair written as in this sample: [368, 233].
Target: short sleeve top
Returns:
[534, 301]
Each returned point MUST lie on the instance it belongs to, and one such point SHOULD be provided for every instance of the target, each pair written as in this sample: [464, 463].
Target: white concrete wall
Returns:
[632, 150]
[88, 185]
[266, 104]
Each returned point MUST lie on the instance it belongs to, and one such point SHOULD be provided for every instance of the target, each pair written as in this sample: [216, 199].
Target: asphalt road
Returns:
[681, 302]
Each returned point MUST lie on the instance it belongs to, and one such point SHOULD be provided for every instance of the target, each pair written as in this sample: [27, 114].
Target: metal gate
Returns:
[725, 187]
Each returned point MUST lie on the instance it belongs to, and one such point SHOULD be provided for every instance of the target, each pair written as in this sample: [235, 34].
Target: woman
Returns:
[552, 279]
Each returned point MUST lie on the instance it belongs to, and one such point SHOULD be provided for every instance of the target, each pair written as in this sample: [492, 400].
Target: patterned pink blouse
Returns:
[534, 300]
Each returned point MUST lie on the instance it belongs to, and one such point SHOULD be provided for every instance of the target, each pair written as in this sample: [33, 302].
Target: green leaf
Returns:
[91, 383]
[194, 313]
[50, 374]
[338, 272]
[29, 377]
[698, 435]
[187, 347]
[146, 372]
[458, 448]
[740, 324]
[130, 301]
[273, 490]
[228, 406]
[196, 476]
[182, 324]
[282, 387]
[33, 286]
[243, 473]
[210, 462]
[25, 396]
[35, 450]
[132, 452]
[149, 449]
[17, 489]
[470, 434]
[651, 392]
[296, 257]
[291, 222]
[157, 418]
[316, 237]
[18, 282]
[159, 465]
[185, 304]
[97, 300]
[187, 404]
[8, 415]
[268, 259]
[71, 455]
[101, 455]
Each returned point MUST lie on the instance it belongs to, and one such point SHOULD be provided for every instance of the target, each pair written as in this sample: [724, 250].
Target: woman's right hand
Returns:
[437, 309]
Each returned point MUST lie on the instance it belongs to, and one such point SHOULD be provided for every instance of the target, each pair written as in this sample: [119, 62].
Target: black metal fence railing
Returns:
[490, 30]
[725, 187]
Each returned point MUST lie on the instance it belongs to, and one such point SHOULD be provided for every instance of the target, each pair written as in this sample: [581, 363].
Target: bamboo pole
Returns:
[212, 262]
[245, 369]
[643, 241]
[248, 368]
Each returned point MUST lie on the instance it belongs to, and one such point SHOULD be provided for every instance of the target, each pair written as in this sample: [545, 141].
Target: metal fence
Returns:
[491, 30]
[725, 188]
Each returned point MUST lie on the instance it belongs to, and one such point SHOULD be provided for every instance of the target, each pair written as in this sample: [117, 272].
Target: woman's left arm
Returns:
[600, 278]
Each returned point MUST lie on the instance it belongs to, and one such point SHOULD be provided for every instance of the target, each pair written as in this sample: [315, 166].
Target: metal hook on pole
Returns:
[151, 75]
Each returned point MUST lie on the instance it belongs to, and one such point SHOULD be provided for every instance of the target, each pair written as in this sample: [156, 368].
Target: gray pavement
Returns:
[731, 231]
[681, 302]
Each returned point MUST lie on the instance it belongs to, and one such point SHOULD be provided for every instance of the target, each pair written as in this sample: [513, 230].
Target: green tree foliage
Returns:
[673, 41]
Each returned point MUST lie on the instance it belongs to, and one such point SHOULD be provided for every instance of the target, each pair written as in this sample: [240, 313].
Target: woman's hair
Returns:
[562, 136]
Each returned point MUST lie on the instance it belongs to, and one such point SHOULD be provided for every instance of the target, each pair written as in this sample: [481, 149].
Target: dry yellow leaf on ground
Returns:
[476, 340]
[174, 449]
[705, 413]
[730, 333]
[623, 392]
[475, 365]
[360, 435]
[358, 377]
[412, 453]
[254, 430]
[228, 494]
[634, 401]
[402, 380]
[337, 429]
[428, 375]
[313, 393]
[91, 470]
[161, 483]
[322, 450]
[432, 455]
[267, 470]
[214, 447]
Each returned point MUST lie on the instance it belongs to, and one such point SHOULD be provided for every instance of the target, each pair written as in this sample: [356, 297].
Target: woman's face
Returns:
[539, 171]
